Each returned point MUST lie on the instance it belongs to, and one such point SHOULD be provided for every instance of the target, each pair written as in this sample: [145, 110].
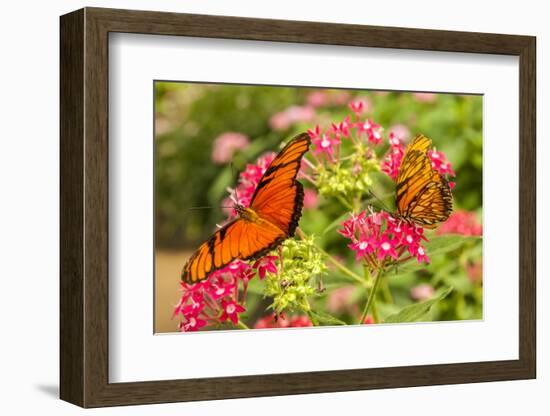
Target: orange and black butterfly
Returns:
[423, 195]
[271, 218]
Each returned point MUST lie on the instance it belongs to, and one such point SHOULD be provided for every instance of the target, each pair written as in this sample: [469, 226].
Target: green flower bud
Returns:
[294, 282]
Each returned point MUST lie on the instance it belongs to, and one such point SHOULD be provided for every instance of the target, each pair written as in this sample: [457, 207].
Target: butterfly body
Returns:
[272, 217]
[423, 195]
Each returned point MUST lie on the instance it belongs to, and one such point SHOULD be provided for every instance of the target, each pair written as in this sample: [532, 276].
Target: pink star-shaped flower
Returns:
[266, 265]
[386, 247]
[365, 245]
[193, 323]
[421, 255]
[231, 310]
[325, 143]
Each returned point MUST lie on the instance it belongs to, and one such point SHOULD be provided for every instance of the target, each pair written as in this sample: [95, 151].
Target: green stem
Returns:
[242, 325]
[387, 292]
[375, 313]
[343, 268]
[312, 318]
[372, 296]
[344, 202]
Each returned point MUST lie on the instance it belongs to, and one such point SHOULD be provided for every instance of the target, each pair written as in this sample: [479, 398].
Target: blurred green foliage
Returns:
[188, 117]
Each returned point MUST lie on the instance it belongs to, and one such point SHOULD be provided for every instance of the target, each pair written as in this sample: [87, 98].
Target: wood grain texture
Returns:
[84, 206]
[71, 213]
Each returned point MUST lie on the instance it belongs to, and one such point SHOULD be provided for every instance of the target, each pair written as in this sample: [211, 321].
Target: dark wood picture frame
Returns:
[84, 207]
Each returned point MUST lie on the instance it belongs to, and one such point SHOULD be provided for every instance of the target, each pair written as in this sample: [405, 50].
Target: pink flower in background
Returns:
[226, 144]
[369, 320]
[317, 99]
[282, 321]
[461, 222]
[294, 114]
[300, 321]
[272, 321]
[311, 199]
[378, 237]
[340, 97]
[400, 131]
[422, 292]
[425, 97]
[340, 299]
[475, 271]
[360, 106]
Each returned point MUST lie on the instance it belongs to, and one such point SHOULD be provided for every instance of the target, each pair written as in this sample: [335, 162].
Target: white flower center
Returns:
[363, 245]
[421, 251]
[409, 239]
[325, 143]
[230, 309]
[192, 322]
[219, 290]
[386, 246]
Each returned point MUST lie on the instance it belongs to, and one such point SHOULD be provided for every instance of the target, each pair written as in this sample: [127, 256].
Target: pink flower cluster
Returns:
[248, 181]
[226, 144]
[322, 98]
[360, 106]
[295, 114]
[282, 321]
[425, 97]
[327, 142]
[461, 222]
[394, 156]
[378, 237]
[218, 298]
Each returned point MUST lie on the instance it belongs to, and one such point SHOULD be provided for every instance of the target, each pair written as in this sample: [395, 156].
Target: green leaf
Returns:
[335, 223]
[437, 246]
[325, 318]
[414, 313]
[446, 243]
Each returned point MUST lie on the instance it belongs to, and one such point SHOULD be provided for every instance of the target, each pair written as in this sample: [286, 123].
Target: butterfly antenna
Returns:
[208, 207]
[194, 208]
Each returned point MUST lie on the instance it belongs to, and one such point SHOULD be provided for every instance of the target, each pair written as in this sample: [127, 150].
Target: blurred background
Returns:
[205, 134]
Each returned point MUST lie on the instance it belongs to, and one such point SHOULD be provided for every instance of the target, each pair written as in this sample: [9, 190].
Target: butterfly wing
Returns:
[279, 197]
[239, 239]
[277, 207]
[423, 195]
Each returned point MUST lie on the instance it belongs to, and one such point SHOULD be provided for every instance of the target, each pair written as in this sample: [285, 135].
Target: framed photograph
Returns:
[255, 207]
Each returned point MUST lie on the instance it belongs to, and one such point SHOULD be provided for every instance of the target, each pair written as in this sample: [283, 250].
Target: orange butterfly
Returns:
[271, 218]
[423, 195]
